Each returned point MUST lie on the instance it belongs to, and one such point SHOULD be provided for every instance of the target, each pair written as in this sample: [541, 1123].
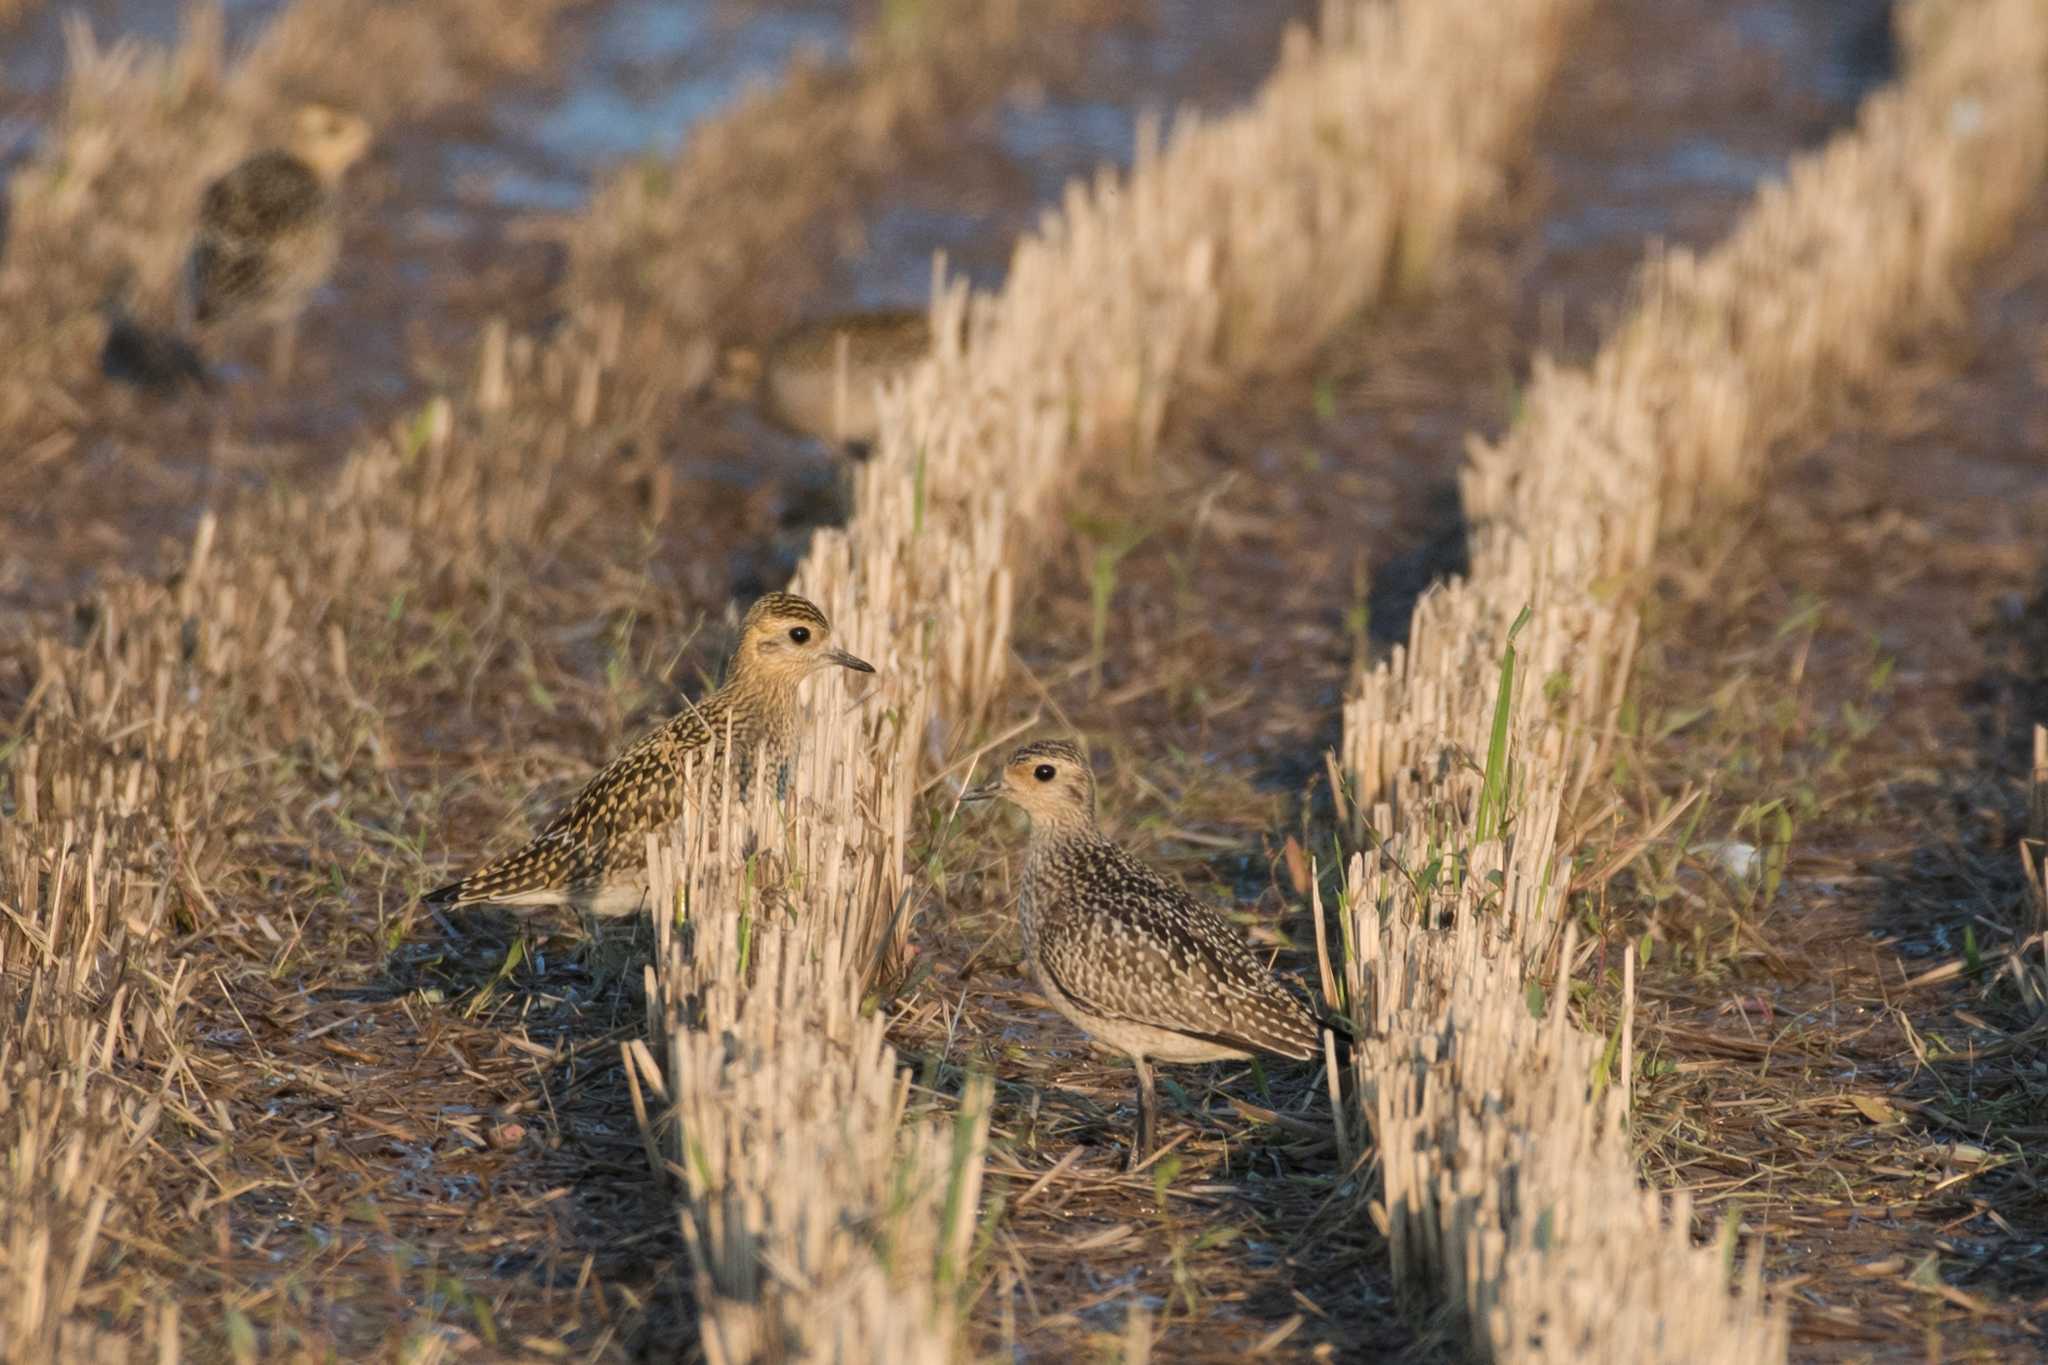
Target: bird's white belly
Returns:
[610, 901]
[809, 400]
[615, 900]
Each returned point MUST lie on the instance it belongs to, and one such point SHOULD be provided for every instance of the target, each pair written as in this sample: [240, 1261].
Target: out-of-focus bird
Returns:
[1129, 957]
[269, 232]
[819, 377]
[593, 857]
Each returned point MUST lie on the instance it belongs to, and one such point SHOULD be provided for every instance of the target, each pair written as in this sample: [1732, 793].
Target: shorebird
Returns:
[1129, 957]
[593, 857]
[268, 233]
[819, 378]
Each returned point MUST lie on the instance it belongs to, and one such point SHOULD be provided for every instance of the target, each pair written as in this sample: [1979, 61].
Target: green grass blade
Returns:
[1493, 790]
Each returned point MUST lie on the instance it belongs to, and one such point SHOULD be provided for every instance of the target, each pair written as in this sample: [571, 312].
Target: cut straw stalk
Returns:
[1510, 1188]
[109, 832]
[73, 1122]
[819, 1224]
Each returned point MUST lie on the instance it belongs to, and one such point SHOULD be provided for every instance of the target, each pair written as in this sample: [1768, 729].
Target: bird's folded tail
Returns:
[1274, 1022]
[542, 866]
[451, 894]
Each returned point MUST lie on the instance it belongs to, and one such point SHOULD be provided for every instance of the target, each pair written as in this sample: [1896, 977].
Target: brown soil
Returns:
[1870, 656]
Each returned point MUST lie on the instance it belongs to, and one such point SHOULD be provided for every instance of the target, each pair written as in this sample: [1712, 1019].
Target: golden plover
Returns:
[819, 378]
[1128, 956]
[593, 857]
[268, 232]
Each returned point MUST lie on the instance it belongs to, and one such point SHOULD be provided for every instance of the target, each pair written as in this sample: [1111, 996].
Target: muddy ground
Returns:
[464, 1112]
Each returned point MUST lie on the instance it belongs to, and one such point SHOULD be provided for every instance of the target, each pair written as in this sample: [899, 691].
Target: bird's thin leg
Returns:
[1148, 1114]
[284, 345]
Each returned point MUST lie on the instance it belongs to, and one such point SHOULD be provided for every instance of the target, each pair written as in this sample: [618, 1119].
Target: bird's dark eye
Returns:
[800, 634]
[1045, 772]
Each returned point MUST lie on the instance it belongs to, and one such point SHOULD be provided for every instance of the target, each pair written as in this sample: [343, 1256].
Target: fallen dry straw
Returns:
[1510, 1186]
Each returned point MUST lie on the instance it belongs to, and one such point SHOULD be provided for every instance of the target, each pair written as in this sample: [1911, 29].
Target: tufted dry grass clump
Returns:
[1510, 1184]
[121, 829]
[102, 848]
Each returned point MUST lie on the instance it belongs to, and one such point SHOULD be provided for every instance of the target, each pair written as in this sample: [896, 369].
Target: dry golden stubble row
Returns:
[1510, 1186]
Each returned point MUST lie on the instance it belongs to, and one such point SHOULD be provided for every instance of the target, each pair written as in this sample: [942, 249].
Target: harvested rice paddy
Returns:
[1532, 505]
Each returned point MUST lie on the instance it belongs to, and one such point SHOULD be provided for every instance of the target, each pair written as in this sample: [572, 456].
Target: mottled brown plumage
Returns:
[593, 856]
[1126, 955]
[268, 234]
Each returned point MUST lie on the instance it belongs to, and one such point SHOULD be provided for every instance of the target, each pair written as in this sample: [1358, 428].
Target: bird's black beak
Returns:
[845, 660]
[987, 791]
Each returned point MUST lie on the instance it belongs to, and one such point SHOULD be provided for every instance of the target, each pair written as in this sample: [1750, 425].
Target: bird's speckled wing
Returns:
[224, 277]
[1144, 950]
[265, 238]
[602, 836]
[263, 198]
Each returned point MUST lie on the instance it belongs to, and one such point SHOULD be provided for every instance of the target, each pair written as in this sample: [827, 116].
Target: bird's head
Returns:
[785, 638]
[328, 139]
[1049, 780]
